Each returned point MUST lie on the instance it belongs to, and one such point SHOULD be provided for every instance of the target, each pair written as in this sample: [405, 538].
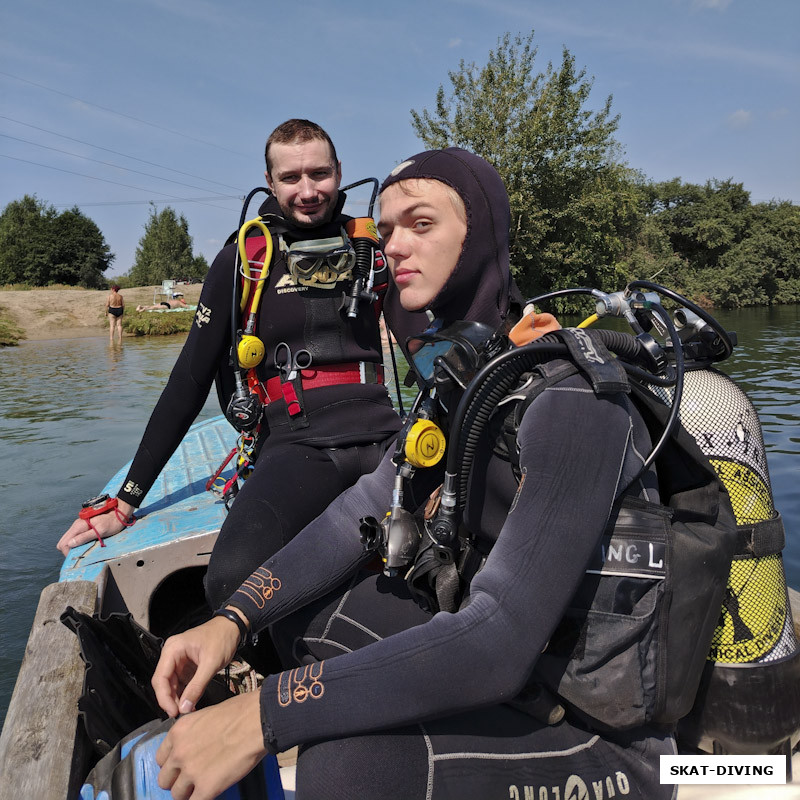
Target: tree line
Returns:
[41, 247]
[580, 215]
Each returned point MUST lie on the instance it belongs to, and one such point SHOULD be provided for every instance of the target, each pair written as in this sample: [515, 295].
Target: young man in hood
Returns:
[391, 699]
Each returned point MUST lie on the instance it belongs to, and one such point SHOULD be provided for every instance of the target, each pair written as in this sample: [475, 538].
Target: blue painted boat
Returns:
[154, 569]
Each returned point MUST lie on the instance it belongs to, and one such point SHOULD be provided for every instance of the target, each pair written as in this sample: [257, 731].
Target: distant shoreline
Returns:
[68, 313]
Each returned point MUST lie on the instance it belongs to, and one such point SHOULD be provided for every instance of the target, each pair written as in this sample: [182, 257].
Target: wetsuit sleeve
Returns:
[189, 383]
[320, 557]
[572, 449]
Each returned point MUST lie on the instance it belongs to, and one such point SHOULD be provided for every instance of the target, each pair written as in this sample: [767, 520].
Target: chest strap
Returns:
[328, 375]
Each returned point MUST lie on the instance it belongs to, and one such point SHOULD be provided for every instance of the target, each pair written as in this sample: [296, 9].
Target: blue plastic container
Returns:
[136, 776]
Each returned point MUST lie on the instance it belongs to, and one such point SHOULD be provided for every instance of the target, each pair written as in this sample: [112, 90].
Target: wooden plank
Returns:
[38, 742]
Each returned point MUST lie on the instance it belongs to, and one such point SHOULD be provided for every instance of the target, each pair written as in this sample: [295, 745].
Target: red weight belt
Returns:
[329, 375]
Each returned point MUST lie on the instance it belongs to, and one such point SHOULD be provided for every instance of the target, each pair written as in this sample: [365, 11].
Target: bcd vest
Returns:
[632, 644]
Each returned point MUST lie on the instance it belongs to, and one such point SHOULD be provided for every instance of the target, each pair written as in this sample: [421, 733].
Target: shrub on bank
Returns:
[10, 333]
[144, 323]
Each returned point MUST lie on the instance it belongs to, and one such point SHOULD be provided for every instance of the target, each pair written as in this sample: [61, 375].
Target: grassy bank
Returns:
[142, 323]
[66, 312]
[10, 333]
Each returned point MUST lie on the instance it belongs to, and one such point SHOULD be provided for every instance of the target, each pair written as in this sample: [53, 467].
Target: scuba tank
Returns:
[749, 696]
[748, 701]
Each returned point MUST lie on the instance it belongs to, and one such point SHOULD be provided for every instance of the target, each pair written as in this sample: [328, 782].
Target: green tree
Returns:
[575, 207]
[165, 251]
[763, 268]
[727, 252]
[81, 254]
[702, 222]
[39, 247]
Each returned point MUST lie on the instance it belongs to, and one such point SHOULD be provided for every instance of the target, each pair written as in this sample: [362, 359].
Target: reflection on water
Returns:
[72, 413]
[766, 363]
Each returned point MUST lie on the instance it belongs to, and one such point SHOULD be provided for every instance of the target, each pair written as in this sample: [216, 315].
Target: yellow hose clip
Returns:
[253, 223]
[425, 444]
[250, 351]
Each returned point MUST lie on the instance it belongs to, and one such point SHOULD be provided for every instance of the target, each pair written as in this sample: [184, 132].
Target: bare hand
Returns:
[107, 524]
[206, 752]
[190, 660]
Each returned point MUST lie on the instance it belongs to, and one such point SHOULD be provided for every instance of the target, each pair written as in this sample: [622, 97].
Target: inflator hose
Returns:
[237, 264]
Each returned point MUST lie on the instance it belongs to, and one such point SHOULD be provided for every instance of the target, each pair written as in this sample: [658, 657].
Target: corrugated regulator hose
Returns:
[497, 379]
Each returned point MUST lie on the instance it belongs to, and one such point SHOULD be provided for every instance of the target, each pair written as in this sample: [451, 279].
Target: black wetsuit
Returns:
[421, 698]
[390, 701]
[303, 462]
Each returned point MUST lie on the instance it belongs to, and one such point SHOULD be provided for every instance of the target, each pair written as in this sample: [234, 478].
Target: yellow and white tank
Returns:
[749, 698]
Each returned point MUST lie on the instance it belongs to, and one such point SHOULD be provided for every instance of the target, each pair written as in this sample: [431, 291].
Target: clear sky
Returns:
[176, 97]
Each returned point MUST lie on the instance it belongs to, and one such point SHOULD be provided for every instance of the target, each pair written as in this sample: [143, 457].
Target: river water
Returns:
[72, 413]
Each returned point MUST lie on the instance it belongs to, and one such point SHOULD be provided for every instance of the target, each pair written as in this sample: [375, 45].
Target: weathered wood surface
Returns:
[38, 742]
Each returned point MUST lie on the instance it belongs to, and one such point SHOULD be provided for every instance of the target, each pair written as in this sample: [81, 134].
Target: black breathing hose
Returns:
[674, 411]
[495, 380]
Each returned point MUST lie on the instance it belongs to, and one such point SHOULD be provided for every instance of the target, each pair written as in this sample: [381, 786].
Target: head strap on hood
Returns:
[479, 288]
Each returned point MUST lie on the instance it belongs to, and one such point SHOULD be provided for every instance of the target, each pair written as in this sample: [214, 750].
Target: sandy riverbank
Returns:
[73, 313]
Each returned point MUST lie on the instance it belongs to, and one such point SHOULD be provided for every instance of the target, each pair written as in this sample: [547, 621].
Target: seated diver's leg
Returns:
[365, 610]
[386, 766]
[492, 752]
[289, 487]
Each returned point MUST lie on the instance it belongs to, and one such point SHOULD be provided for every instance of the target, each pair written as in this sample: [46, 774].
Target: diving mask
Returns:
[459, 351]
[333, 257]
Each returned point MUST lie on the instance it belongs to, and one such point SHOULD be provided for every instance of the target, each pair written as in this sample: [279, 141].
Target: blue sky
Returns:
[186, 92]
